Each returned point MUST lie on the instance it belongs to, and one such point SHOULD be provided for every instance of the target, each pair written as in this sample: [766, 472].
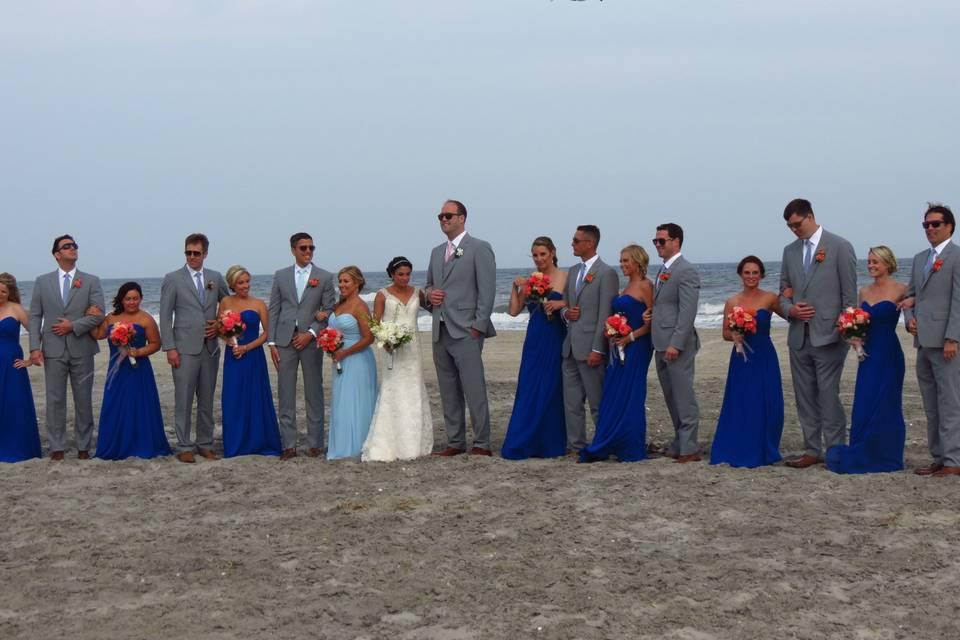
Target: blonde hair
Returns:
[355, 274]
[885, 255]
[233, 274]
[13, 293]
[639, 256]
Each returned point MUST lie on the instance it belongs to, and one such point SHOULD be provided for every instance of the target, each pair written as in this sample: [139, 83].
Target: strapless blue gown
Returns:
[249, 418]
[622, 423]
[751, 416]
[354, 394]
[537, 426]
[877, 429]
[131, 420]
[19, 434]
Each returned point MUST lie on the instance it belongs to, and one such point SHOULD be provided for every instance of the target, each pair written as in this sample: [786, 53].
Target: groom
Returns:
[461, 283]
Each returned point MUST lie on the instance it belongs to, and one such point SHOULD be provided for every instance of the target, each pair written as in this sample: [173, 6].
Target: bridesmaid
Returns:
[751, 416]
[537, 426]
[249, 419]
[355, 389]
[877, 429]
[622, 424]
[131, 419]
[19, 434]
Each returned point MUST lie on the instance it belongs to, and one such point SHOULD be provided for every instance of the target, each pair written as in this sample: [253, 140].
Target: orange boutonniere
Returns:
[664, 276]
[588, 278]
[821, 256]
[312, 282]
[937, 264]
[77, 283]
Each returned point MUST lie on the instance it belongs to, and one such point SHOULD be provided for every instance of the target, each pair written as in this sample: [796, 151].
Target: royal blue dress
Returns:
[131, 420]
[622, 423]
[354, 394]
[249, 419]
[19, 434]
[751, 416]
[537, 426]
[877, 430]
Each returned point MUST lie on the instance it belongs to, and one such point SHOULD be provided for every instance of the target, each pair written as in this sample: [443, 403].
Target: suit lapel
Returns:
[57, 291]
[588, 274]
[947, 250]
[450, 266]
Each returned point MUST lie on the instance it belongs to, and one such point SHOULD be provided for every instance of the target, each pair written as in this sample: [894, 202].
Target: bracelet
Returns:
[632, 337]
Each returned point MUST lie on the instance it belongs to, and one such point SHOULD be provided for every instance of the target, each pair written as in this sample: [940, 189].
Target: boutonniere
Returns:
[458, 253]
[79, 283]
[664, 276]
[588, 278]
[210, 285]
[821, 255]
[937, 264]
[312, 283]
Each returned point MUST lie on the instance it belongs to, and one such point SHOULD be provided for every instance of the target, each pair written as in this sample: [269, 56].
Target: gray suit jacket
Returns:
[830, 287]
[675, 303]
[595, 300]
[46, 306]
[470, 284]
[287, 314]
[182, 317]
[937, 299]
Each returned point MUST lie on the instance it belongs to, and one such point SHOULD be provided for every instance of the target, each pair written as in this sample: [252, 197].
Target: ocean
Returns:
[718, 281]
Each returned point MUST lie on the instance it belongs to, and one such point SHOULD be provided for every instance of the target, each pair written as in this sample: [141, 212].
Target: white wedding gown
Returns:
[402, 428]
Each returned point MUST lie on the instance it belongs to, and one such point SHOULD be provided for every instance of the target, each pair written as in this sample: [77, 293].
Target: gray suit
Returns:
[288, 316]
[182, 321]
[66, 356]
[675, 302]
[583, 383]
[817, 353]
[937, 312]
[469, 283]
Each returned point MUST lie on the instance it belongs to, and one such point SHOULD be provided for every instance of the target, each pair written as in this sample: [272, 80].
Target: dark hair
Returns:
[125, 288]
[13, 292]
[546, 242]
[943, 210]
[396, 263]
[56, 242]
[591, 231]
[799, 207]
[673, 230]
[197, 238]
[462, 210]
[297, 237]
[754, 260]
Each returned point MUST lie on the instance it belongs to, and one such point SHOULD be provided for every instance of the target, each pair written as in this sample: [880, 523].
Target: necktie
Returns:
[66, 288]
[301, 283]
[449, 254]
[196, 277]
[807, 255]
[660, 273]
[580, 275]
[929, 266]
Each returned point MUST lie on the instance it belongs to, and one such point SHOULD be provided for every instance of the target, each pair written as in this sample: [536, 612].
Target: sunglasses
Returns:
[66, 246]
[306, 247]
[659, 242]
[447, 216]
[935, 224]
[193, 254]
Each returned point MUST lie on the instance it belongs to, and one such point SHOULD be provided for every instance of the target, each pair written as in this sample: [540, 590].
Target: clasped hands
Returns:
[436, 297]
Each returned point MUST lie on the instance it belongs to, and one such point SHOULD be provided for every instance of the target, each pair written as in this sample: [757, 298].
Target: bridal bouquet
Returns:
[742, 321]
[122, 335]
[616, 326]
[329, 340]
[537, 288]
[390, 336]
[230, 325]
[852, 325]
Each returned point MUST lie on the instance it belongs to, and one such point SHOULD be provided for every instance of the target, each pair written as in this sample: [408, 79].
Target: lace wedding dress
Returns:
[402, 428]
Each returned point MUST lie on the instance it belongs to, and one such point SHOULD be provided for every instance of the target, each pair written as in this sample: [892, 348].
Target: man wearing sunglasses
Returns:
[301, 299]
[932, 313]
[60, 340]
[818, 279]
[189, 298]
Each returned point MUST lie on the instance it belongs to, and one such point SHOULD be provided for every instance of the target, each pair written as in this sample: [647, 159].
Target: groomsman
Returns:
[461, 284]
[301, 300]
[818, 279]
[189, 298]
[675, 340]
[934, 321]
[591, 287]
[60, 340]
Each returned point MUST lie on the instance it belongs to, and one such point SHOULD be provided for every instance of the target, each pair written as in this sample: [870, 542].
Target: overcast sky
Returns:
[130, 124]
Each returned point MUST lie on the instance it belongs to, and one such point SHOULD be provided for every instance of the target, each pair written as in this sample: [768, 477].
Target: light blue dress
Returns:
[354, 393]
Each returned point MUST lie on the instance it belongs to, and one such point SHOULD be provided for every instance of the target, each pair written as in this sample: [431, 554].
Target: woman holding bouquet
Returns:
[537, 426]
[622, 424]
[402, 427]
[19, 435]
[355, 388]
[131, 420]
[877, 429]
[751, 416]
[249, 420]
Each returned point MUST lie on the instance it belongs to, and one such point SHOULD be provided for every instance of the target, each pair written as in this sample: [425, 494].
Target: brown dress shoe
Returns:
[288, 453]
[480, 451]
[186, 456]
[946, 471]
[314, 452]
[83, 455]
[56, 455]
[803, 462]
[928, 471]
[449, 451]
[690, 457]
[208, 454]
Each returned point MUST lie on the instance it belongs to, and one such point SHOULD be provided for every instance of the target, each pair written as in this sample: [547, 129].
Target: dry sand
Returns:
[468, 548]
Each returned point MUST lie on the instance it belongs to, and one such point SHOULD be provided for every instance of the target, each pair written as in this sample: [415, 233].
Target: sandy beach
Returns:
[472, 548]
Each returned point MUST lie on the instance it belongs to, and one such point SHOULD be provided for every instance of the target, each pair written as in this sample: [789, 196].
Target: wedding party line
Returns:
[587, 350]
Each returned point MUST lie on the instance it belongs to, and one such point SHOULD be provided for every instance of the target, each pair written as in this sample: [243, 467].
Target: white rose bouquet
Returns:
[390, 336]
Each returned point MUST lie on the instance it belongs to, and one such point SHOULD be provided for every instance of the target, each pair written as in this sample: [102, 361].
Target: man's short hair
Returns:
[673, 230]
[297, 237]
[592, 232]
[58, 240]
[799, 207]
[462, 210]
[197, 238]
[942, 209]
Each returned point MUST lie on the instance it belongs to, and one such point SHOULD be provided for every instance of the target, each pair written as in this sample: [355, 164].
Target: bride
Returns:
[402, 428]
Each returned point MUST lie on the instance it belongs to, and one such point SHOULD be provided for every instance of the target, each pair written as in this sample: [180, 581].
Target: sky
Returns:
[130, 124]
